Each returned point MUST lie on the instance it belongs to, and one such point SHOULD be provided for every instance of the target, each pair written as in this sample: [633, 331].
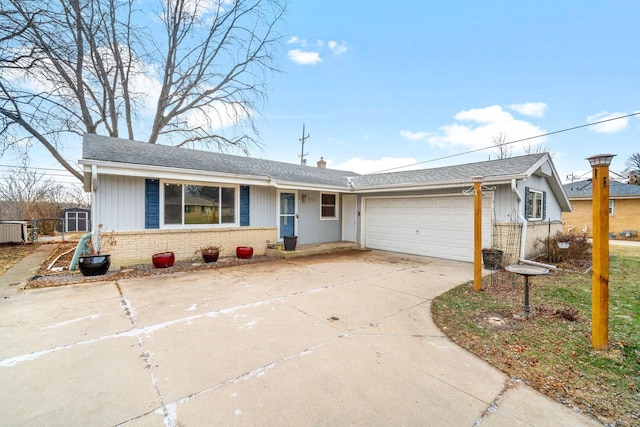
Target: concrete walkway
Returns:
[16, 277]
[345, 339]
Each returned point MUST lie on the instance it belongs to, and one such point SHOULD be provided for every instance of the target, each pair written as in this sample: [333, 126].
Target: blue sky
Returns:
[415, 81]
[386, 84]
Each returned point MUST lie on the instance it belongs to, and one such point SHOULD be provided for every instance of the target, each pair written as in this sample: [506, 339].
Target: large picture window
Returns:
[328, 206]
[199, 204]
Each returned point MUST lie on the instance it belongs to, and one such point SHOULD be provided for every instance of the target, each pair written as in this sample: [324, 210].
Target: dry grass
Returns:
[552, 351]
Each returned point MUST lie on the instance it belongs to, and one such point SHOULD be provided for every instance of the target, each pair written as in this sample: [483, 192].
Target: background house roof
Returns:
[584, 190]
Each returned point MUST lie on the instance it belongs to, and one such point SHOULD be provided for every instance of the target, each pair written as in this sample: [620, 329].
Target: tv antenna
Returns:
[303, 161]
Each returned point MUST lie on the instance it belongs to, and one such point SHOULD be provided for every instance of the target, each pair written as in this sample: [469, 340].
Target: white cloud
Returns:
[414, 136]
[475, 128]
[611, 126]
[493, 114]
[363, 166]
[297, 40]
[304, 57]
[533, 109]
[337, 48]
[311, 55]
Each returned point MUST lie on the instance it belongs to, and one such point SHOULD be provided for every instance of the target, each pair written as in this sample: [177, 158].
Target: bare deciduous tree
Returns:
[536, 149]
[69, 67]
[633, 168]
[26, 194]
[502, 148]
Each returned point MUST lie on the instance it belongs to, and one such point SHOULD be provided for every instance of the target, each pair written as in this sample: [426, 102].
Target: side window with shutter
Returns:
[535, 204]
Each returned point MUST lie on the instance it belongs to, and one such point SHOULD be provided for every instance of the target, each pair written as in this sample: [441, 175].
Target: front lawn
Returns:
[552, 352]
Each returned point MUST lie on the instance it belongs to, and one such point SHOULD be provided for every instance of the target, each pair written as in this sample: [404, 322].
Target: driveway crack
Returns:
[169, 416]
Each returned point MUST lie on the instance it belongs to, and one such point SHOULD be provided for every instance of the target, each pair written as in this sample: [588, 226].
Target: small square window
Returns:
[328, 206]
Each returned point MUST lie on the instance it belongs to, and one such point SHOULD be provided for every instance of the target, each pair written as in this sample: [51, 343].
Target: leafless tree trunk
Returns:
[502, 149]
[70, 67]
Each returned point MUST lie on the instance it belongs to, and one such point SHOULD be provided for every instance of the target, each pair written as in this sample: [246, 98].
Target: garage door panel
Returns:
[430, 226]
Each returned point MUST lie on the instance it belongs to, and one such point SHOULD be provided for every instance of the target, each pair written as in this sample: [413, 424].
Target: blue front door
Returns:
[287, 214]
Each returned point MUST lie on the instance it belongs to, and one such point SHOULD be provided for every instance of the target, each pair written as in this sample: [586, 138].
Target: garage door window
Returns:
[535, 204]
[329, 206]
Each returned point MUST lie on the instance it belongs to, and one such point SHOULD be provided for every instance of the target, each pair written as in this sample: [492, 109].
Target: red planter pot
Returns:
[244, 252]
[163, 260]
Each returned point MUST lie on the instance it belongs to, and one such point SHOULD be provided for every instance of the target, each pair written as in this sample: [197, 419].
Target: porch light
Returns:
[600, 160]
[476, 178]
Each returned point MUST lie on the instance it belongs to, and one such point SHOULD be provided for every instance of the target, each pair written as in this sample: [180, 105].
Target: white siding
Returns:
[311, 229]
[120, 203]
[554, 212]
[262, 207]
[505, 204]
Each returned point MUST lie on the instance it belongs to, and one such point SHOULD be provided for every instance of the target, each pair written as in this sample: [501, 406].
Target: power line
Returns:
[511, 142]
[33, 167]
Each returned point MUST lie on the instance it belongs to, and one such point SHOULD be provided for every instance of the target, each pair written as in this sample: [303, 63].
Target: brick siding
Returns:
[626, 216]
[133, 247]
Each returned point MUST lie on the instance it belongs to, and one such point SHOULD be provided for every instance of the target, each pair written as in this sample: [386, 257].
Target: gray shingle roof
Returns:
[125, 151]
[102, 148]
[492, 168]
[584, 189]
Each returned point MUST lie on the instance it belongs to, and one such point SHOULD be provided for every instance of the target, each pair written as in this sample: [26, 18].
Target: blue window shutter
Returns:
[151, 203]
[544, 205]
[244, 205]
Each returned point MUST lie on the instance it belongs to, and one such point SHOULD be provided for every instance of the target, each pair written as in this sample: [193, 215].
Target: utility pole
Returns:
[303, 161]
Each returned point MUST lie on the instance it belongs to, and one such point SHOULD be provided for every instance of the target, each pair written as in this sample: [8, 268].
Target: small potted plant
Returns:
[210, 253]
[492, 258]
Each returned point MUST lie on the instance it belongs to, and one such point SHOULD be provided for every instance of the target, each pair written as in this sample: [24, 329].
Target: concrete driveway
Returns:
[343, 339]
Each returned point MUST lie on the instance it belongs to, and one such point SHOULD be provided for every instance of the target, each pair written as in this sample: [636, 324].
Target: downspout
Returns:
[95, 235]
[83, 248]
[523, 237]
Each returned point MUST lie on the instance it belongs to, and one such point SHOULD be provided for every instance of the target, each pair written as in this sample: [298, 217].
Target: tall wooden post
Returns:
[600, 234]
[477, 233]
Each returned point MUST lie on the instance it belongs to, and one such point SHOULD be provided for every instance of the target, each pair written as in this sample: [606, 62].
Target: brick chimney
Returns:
[322, 164]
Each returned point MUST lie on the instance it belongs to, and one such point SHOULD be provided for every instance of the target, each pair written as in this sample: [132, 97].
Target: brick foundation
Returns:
[134, 247]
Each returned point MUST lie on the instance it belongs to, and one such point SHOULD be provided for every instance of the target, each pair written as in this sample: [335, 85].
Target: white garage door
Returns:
[440, 227]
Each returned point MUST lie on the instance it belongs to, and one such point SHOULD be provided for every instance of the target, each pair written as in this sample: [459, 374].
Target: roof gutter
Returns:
[416, 186]
[144, 171]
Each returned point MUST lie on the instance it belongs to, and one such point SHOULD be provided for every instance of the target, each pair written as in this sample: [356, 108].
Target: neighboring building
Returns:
[624, 208]
[74, 220]
[151, 198]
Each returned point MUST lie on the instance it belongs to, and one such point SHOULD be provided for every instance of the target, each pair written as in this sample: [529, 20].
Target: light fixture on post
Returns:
[477, 233]
[600, 251]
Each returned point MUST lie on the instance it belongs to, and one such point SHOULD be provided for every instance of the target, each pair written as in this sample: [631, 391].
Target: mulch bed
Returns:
[52, 274]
